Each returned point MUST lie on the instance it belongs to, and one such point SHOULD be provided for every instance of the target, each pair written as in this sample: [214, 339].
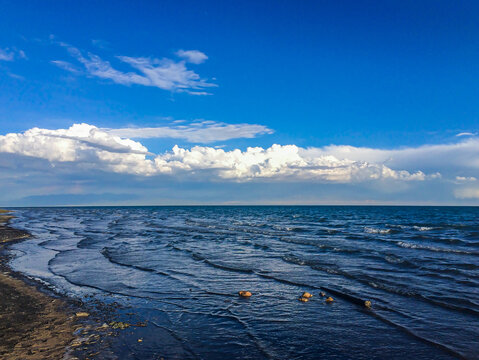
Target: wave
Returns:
[296, 229]
[424, 228]
[319, 245]
[393, 259]
[436, 239]
[346, 295]
[174, 335]
[418, 337]
[371, 230]
[433, 248]
[380, 284]
[222, 266]
[106, 252]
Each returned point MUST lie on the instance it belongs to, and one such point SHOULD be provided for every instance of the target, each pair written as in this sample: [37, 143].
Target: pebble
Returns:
[82, 314]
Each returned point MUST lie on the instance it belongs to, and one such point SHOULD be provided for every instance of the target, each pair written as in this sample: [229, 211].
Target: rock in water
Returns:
[245, 294]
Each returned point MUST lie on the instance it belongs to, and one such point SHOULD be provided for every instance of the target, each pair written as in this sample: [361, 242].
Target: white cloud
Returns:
[15, 76]
[467, 193]
[101, 44]
[449, 159]
[21, 54]
[197, 132]
[287, 162]
[465, 178]
[466, 134]
[10, 54]
[168, 74]
[192, 56]
[65, 65]
[163, 73]
[6, 55]
[84, 146]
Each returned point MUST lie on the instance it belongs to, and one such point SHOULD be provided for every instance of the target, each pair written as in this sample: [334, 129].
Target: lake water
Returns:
[180, 268]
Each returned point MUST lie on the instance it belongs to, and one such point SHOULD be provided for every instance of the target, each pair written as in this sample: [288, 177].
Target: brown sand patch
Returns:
[32, 324]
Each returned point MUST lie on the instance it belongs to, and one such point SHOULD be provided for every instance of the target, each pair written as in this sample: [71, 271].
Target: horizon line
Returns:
[238, 205]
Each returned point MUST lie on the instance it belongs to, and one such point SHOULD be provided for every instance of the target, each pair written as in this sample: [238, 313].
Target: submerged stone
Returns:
[119, 325]
[82, 314]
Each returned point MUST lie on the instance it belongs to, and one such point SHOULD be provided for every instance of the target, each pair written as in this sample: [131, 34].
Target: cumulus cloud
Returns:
[287, 162]
[196, 132]
[164, 73]
[192, 56]
[84, 146]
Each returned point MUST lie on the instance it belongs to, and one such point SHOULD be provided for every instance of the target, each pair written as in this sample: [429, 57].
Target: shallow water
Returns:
[180, 268]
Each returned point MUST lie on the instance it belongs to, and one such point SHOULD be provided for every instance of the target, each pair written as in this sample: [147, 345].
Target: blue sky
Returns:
[370, 94]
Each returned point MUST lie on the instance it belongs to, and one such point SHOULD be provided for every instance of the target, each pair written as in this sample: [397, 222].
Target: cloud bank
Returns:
[84, 146]
[87, 159]
[166, 74]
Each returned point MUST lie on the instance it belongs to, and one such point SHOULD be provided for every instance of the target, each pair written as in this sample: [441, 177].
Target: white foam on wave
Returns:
[397, 226]
[394, 260]
[431, 248]
[371, 230]
[423, 228]
[415, 227]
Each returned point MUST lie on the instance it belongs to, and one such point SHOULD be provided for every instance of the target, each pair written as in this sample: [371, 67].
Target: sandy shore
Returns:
[36, 324]
[33, 325]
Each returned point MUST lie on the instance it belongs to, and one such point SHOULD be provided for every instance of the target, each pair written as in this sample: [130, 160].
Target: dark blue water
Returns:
[180, 268]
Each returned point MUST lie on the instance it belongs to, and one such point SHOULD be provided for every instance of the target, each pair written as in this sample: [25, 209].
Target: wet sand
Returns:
[33, 325]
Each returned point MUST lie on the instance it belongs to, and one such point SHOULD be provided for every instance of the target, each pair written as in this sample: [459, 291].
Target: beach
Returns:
[33, 323]
[37, 323]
